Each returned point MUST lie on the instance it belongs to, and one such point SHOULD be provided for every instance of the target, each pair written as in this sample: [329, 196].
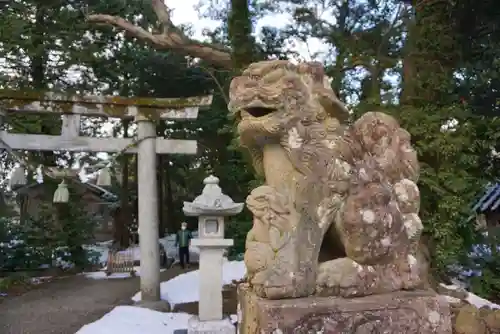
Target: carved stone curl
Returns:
[351, 189]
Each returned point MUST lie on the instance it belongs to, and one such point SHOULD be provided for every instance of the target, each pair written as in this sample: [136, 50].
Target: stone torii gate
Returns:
[144, 111]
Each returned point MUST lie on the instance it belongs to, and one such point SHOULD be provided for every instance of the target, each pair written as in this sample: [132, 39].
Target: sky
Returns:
[184, 12]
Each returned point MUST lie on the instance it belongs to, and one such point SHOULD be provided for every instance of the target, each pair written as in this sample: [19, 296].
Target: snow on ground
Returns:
[40, 279]
[99, 251]
[136, 320]
[102, 274]
[480, 302]
[184, 288]
[180, 289]
[473, 299]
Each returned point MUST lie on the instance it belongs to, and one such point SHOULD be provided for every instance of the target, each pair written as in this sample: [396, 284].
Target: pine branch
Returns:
[171, 37]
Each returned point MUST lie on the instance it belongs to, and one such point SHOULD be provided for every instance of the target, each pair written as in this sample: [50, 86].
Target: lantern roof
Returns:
[212, 202]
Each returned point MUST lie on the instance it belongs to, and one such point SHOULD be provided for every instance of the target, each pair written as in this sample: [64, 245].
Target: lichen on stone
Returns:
[109, 106]
[352, 187]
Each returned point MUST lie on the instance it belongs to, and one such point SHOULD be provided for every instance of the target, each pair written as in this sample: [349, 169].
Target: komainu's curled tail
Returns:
[378, 224]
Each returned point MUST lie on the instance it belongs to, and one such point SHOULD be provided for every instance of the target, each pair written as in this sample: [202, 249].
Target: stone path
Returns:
[65, 305]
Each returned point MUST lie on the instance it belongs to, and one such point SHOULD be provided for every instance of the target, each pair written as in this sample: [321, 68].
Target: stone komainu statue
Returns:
[345, 194]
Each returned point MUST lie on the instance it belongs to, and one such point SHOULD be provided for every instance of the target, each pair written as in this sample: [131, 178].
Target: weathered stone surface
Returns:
[224, 326]
[469, 319]
[394, 313]
[103, 106]
[353, 188]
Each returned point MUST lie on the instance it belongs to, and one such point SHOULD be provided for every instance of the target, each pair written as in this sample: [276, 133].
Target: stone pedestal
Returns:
[396, 313]
[210, 271]
[224, 326]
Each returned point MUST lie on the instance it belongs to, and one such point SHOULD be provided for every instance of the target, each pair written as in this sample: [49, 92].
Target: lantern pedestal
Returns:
[224, 326]
[210, 271]
[210, 319]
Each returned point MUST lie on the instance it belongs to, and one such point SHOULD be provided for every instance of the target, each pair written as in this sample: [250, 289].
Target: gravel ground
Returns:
[64, 306]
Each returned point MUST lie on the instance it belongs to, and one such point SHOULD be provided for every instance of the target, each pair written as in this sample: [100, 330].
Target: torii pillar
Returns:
[148, 209]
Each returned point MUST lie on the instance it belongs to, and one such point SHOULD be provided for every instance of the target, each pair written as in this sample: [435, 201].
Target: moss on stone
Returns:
[111, 106]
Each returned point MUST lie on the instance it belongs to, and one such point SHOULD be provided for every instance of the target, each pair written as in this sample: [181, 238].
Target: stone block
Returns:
[417, 312]
[224, 326]
[180, 331]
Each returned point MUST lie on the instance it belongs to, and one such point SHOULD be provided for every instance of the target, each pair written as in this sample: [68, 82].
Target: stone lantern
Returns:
[211, 207]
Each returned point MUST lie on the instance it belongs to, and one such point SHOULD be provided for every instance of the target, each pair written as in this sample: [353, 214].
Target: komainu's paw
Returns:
[344, 277]
[283, 278]
[339, 277]
[272, 285]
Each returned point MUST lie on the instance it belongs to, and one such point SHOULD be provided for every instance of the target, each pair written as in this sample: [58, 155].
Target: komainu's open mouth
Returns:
[259, 111]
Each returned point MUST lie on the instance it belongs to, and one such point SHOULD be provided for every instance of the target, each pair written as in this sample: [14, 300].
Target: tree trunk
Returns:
[122, 218]
[430, 54]
[240, 34]
[160, 168]
[340, 59]
[48, 124]
[169, 200]
[161, 195]
[408, 76]
[371, 89]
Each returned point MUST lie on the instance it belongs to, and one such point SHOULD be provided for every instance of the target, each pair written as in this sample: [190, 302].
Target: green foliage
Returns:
[11, 248]
[56, 236]
[237, 230]
[488, 283]
[482, 266]
[13, 280]
[450, 178]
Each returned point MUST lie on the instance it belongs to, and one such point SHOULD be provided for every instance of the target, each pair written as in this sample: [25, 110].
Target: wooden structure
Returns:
[73, 107]
[32, 197]
[144, 111]
[487, 208]
[120, 262]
